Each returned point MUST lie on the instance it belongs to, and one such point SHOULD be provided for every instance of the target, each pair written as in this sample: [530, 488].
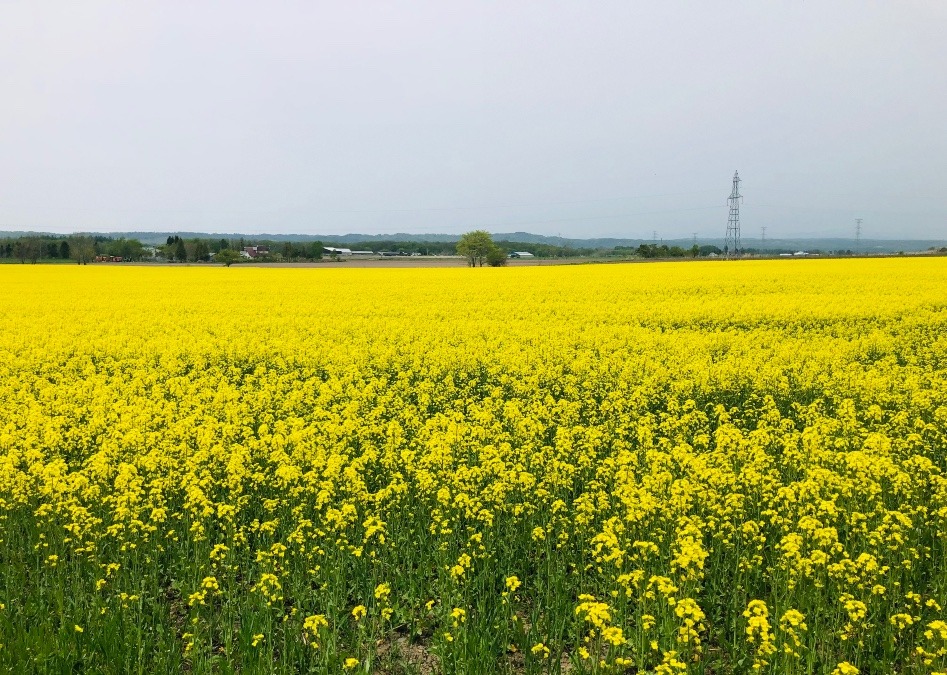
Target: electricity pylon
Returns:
[732, 243]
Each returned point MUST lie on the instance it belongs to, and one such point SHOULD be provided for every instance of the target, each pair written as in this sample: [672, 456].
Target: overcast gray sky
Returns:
[561, 118]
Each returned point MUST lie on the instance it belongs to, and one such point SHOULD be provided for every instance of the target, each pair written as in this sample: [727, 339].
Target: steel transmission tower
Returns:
[732, 244]
[858, 234]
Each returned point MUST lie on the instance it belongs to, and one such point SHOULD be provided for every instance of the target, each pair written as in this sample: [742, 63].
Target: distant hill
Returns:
[773, 245]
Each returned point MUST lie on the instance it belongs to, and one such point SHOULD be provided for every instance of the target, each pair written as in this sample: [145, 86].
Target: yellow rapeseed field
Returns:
[720, 467]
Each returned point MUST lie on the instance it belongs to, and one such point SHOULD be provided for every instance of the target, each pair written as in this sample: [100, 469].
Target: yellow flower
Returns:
[596, 613]
[382, 591]
[631, 428]
[613, 635]
[540, 650]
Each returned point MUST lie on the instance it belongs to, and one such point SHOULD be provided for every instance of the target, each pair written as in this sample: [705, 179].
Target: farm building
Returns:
[255, 251]
[521, 254]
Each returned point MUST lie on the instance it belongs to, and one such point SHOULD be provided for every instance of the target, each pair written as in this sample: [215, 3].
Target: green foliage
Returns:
[82, 249]
[496, 257]
[546, 250]
[475, 246]
[127, 249]
[662, 251]
[34, 248]
[227, 257]
[201, 251]
[706, 250]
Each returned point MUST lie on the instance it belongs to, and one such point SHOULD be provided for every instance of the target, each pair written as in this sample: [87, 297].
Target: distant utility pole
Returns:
[763, 235]
[732, 244]
[654, 236]
[858, 234]
[695, 239]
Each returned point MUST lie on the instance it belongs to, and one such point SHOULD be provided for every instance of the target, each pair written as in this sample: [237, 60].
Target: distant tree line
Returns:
[33, 249]
[450, 248]
[395, 246]
[83, 249]
[546, 250]
[79, 248]
[177, 249]
[664, 251]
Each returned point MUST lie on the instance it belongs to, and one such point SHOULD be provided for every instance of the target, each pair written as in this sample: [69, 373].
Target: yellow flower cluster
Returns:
[702, 467]
[759, 633]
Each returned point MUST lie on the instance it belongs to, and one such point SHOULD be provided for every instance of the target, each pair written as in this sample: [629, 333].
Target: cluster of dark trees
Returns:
[665, 251]
[45, 247]
[294, 251]
[33, 249]
[546, 250]
[177, 249]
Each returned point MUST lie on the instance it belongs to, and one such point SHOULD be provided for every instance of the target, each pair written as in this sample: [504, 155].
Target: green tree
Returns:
[496, 257]
[475, 246]
[128, 249]
[201, 251]
[227, 256]
[34, 249]
[180, 251]
[82, 249]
